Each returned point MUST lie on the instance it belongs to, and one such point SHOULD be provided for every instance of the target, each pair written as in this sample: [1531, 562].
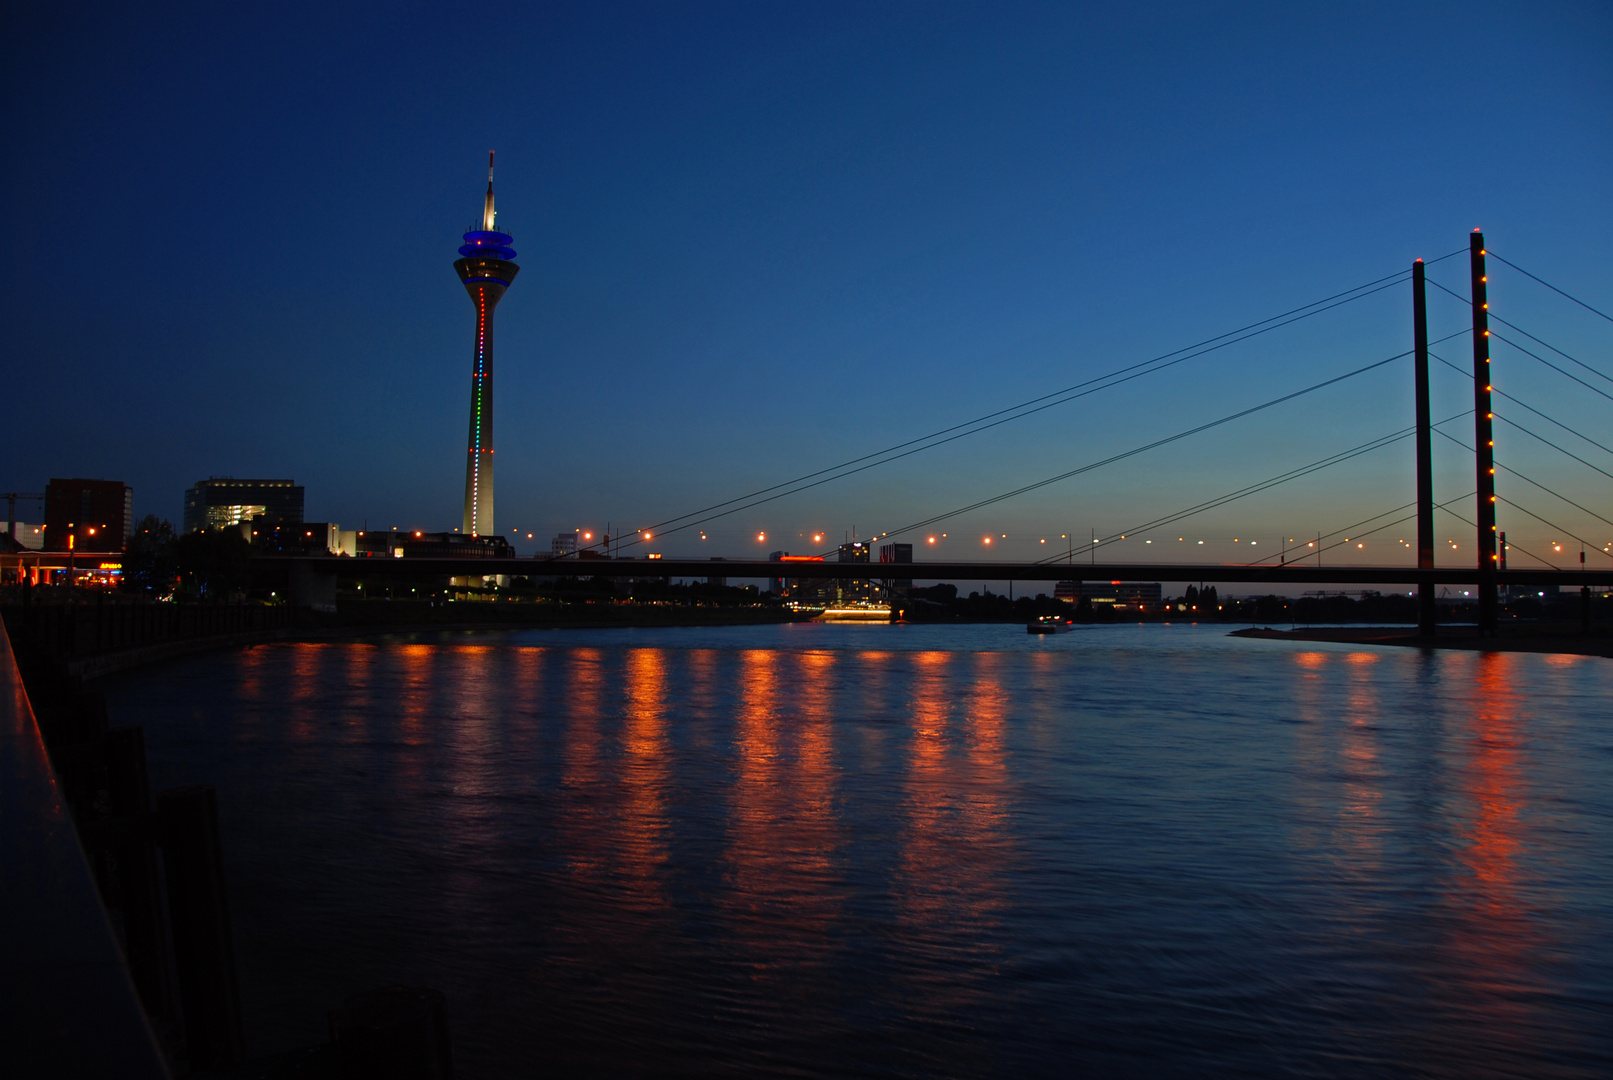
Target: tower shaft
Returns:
[486, 269]
[479, 448]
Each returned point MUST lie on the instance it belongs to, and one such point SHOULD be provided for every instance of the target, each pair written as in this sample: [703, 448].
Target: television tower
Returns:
[487, 271]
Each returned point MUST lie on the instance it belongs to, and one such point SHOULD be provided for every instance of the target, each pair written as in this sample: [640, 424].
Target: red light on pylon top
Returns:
[1419, 260]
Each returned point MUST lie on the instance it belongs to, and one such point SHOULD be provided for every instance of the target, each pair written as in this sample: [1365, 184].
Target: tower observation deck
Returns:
[486, 269]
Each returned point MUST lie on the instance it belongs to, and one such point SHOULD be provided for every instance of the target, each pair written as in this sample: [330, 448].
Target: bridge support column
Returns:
[1483, 438]
[313, 587]
[1425, 453]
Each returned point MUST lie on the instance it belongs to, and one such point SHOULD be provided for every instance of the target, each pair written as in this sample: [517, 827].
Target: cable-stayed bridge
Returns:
[1305, 562]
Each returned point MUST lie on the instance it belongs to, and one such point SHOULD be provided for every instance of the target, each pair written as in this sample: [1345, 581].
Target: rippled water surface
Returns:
[917, 851]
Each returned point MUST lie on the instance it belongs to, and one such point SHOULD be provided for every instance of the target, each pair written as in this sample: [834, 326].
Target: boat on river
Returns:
[857, 612]
[1050, 624]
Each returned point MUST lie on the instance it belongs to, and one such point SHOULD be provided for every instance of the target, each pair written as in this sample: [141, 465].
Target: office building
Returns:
[88, 515]
[896, 553]
[486, 269]
[221, 501]
[855, 589]
[28, 535]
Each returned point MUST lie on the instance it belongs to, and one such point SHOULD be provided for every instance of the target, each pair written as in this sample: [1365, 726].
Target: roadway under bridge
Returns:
[1290, 574]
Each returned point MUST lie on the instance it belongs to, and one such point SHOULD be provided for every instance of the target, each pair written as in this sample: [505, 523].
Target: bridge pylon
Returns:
[1425, 452]
[1483, 438]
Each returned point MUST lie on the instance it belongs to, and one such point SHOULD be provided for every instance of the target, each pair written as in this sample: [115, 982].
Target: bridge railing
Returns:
[95, 625]
[72, 1009]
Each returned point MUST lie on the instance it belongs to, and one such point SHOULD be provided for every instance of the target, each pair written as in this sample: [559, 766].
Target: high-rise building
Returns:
[220, 501]
[28, 536]
[856, 588]
[88, 515]
[896, 553]
[486, 270]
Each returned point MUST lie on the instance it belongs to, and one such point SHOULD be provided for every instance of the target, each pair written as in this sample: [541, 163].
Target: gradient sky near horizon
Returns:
[757, 240]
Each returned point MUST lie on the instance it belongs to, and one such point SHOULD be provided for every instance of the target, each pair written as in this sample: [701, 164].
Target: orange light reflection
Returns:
[784, 833]
[954, 846]
[1497, 938]
[643, 835]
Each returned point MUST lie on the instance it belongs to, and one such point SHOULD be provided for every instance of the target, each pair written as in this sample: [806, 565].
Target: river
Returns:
[916, 850]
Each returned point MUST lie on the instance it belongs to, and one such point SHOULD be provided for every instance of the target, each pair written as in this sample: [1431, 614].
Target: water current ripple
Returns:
[917, 851]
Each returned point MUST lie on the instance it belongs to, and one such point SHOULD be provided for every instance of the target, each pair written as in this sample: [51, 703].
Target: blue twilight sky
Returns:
[760, 239]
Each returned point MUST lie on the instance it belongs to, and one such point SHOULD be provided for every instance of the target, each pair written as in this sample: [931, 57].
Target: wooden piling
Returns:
[204, 949]
[130, 844]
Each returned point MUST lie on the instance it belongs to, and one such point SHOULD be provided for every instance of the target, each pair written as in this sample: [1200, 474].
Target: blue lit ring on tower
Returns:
[494, 244]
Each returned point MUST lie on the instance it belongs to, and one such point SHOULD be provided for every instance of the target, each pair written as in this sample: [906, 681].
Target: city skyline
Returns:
[764, 243]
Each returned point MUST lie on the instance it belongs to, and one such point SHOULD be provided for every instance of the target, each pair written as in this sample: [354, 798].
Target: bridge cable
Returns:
[663, 528]
[1554, 446]
[1541, 341]
[1549, 285]
[1550, 420]
[1543, 416]
[1045, 401]
[1369, 532]
[1233, 496]
[1497, 337]
[1554, 367]
[1512, 325]
[1469, 376]
[1001, 416]
[1510, 546]
[1352, 527]
[1150, 446]
[1539, 485]
[1388, 524]
[1263, 485]
[1590, 545]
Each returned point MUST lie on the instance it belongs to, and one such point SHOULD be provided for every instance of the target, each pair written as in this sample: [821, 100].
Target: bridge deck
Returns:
[1291, 574]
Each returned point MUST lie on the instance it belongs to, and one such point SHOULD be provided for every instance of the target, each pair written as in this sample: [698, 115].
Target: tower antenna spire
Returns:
[488, 214]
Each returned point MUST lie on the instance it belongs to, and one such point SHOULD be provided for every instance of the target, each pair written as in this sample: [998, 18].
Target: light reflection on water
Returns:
[917, 851]
[1493, 931]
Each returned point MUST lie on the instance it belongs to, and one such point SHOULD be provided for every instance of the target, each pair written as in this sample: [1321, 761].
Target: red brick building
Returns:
[97, 514]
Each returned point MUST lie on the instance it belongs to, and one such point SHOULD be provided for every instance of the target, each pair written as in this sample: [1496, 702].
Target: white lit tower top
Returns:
[486, 268]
